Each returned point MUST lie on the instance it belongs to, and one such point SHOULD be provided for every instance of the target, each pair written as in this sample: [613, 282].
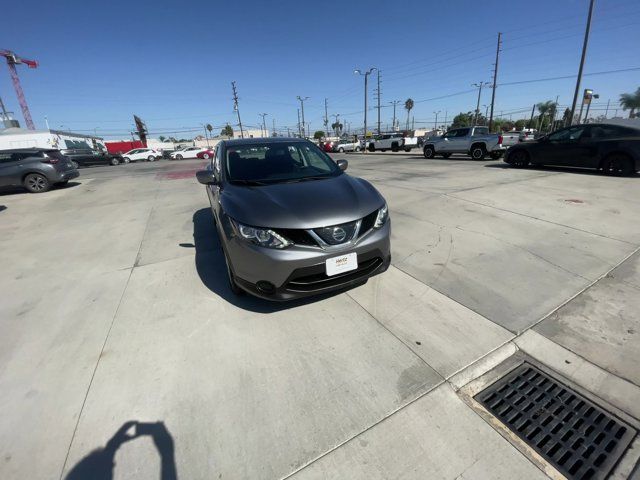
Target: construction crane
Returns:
[12, 61]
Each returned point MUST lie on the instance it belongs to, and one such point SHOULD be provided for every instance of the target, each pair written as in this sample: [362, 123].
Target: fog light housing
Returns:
[265, 287]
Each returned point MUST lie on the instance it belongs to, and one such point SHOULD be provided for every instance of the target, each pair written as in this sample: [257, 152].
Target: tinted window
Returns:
[277, 162]
[481, 131]
[6, 157]
[463, 132]
[573, 133]
[612, 131]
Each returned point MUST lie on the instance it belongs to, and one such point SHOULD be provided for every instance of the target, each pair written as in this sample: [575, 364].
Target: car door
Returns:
[11, 167]
[459, 142]
[447, 138]
[563, 147]
[213, 191]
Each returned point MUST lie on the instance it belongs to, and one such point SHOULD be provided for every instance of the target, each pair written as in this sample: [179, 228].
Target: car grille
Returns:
[302, 237]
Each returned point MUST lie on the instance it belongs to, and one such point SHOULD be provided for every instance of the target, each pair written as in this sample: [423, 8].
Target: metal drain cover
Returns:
[577, 437]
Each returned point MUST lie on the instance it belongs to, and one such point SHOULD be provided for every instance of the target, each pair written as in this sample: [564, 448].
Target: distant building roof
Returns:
[25, 131]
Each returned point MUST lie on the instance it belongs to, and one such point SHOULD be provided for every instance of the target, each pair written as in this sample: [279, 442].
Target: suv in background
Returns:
[474, 141]
[347, 145]
[36, 169]
[393, 142]
[83, 157]
[141, 154]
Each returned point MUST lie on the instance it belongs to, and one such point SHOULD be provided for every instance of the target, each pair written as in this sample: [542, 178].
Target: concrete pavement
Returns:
[115, 308]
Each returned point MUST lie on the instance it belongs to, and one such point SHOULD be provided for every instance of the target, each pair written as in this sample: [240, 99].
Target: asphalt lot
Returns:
[115, 308]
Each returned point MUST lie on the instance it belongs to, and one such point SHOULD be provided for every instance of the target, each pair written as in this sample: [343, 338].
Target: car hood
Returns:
[310, 204]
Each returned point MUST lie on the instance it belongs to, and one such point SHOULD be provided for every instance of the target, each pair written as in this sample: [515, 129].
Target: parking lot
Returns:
[116, 308]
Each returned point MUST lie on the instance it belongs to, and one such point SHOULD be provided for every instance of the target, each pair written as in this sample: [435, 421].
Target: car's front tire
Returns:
[151, 158]
[478, 152]
[126, 160]
[206, 156]
[114, 161]
[519, 159]
[179, 157]
[618, 165]
[36, 183]
[341, 150]
[357, 149]
[429, 151]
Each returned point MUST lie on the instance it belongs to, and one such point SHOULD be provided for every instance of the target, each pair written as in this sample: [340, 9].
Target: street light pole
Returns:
[394, 103]
[435, 124]
[264, 125]
[366, 77]
[479, 86]
[584, 54]
[302, 110]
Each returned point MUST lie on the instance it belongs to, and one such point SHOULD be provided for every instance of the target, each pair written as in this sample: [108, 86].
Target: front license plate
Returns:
[341, 264]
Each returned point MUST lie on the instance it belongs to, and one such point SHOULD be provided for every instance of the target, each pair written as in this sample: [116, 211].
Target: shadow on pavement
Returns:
[210, 264]
[13, 190]
[2, 207]
[99, 464]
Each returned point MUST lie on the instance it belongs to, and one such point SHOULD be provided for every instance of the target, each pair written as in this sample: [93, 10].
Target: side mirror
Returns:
[206, 177]
[342, 164]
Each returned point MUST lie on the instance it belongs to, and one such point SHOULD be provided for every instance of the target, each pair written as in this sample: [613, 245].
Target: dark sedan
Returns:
[85, 157]
[613, 149]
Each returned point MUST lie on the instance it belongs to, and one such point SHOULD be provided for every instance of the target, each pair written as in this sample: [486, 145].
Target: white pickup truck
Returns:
[393, 142]
[474, 141]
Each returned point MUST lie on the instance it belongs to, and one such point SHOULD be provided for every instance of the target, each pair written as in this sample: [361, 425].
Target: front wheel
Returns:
[372, 148]
[36, 183]
[496, 155]
[429, 152]
[179, 157]
[407, 149]
[446, 155]
[357, 149]
[618, 165]
[206, 156]
[126, 160]
[341, 150]
[114, 161]
[151, 158]
[478, 152]
[519, 159]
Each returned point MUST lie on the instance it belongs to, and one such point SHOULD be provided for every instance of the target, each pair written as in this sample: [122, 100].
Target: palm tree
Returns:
[408, 105]
[630, 101]
[545, 108]
[162, 139]
[209, 127]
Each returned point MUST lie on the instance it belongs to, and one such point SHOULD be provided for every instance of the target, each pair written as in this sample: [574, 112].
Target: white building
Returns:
[16, 137]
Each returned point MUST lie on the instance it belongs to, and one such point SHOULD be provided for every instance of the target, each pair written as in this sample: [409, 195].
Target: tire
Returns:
[126, 160]
[179, 157]
[495, 155]
[206, 156]
[151, 158]
[478, 152]
[357, 149]
[74, 163]
[233, 286]
[383, 149]
[446, 155]
[372, 148]
[519, 158]
[36, 183]
[341, 150]
[407, 149]
[429, 151]
[114, 161]
[394, 147]
[618, 165]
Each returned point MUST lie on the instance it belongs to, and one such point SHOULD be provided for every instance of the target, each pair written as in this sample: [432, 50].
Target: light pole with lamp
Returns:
[435, 124]
[366, 74]
[302, 111]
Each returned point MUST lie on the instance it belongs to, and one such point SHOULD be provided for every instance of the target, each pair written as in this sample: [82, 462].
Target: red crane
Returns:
[12, 61]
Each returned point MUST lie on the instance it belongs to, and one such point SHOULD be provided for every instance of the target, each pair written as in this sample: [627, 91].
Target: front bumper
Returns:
[299, 271]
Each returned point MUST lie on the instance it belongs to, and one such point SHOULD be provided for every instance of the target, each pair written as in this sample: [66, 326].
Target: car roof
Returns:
[262, 140]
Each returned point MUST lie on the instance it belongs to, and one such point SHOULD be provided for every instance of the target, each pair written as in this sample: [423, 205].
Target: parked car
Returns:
[510, 138]
[187, 152]
[291, 222]
[474, 141]
[613, 149]
[205, 154]
[329, 146]
[347, 146]
[136, 154]
[85, 157]
[36, 169]
[392, 141]
[528, 135]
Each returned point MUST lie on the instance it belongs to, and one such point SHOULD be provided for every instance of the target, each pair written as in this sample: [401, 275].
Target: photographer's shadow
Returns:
[99, 464]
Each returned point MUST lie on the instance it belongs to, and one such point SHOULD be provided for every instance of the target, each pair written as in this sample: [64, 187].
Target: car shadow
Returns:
[99, 464]
[547, 168]
[211, 268]
[15, 190]
[2, 207]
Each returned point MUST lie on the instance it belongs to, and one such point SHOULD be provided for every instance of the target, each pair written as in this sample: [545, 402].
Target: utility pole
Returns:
[326, 118]
[607, 110]
[445, 118]
[203, 126]
[555, 112]
[366, 76]
[236, 108]
[302, 108]
[495, 81]
[378, 95]
[584, 54]
[264, 125]
[479, 86]
[394, 103]
[299, 132]
[273, 130]
[435, 124]
[533, 110]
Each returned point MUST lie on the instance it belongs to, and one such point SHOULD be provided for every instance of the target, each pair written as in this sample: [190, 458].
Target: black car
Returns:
[85, 157]
[614, 149]
[36, 169]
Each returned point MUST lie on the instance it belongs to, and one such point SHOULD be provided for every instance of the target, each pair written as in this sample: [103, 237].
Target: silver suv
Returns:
[291, 222]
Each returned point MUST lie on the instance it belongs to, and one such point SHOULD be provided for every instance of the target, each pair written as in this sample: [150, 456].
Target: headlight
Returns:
[261, 236]
[383, 216]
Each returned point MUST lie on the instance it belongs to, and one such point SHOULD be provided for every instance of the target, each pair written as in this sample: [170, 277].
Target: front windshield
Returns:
[271, 162]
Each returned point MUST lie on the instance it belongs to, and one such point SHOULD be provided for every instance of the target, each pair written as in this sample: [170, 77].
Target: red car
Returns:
[205, 154]
[328, 146]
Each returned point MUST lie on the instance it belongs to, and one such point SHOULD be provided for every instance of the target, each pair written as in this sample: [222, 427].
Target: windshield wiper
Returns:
[305, 179]
[249, 183]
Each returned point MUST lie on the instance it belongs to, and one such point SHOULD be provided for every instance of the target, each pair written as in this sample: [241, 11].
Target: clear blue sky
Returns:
[172, 63]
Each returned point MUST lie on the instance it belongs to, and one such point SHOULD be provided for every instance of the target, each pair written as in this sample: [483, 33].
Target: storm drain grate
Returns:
[576, 436]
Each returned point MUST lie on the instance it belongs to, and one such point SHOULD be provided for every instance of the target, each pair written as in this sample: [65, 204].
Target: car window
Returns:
[481, 131]
[450, 134]
[6, 157]
[277, 162]
[573, 133]
[463, 132]
[612, 131]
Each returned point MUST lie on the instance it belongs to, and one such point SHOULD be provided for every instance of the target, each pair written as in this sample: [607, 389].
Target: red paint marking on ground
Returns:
[180, 174]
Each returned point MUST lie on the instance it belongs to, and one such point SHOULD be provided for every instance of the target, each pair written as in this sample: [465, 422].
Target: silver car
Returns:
[291, 222]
